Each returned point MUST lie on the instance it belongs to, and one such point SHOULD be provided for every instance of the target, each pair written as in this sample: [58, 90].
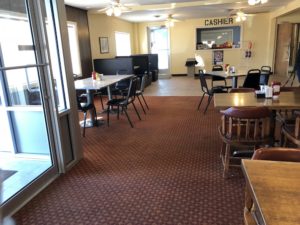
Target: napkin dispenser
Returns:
[260, 94]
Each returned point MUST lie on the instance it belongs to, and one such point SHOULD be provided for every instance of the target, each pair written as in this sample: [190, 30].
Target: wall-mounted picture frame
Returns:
[103, 41]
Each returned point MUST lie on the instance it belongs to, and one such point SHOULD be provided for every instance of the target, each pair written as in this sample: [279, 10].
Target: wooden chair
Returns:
[244, 129]
[291, 131]
[272, 154]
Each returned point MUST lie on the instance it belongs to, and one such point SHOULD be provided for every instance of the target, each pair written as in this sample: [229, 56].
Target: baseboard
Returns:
[164, 76]
[179, 75]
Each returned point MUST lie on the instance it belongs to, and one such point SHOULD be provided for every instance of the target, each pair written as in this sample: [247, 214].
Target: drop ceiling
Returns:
[158, 10]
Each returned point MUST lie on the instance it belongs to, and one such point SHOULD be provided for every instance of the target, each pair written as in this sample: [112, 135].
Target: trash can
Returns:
[190, 65]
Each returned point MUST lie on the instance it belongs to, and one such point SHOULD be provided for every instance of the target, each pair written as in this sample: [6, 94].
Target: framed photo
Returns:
[218, 57]
[103, 41]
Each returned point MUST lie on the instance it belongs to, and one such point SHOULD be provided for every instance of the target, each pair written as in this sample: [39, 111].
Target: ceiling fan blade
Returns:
[102, 10]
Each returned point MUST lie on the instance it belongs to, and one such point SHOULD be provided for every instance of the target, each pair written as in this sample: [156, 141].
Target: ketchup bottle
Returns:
[94, 75]
[276, 89]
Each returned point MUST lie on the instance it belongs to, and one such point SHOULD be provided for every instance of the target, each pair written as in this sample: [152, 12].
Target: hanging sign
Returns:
[218, 22]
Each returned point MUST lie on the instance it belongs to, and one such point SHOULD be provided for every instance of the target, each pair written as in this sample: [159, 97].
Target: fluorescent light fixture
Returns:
[254, 2]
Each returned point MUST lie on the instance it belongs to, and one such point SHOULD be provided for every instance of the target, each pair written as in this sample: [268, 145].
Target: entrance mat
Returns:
[4, 174]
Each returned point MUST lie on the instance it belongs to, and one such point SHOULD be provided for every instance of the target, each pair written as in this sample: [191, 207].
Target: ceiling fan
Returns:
[115, 8]
[240, 16]
[170, 21]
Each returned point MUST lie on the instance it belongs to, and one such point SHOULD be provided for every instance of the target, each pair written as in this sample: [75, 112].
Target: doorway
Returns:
[159, 44]
[27, 147]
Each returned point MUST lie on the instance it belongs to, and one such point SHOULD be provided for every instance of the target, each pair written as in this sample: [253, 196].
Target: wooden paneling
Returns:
[80, 17]
[284, 36]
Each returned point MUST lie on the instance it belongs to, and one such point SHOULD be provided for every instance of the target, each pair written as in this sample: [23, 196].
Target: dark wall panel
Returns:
[80, 17]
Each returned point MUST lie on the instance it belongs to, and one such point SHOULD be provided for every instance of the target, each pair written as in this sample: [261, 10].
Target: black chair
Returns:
[207, 91]
[139, 92]
[265, 72]
[252, 79]
[215, 78]
[125, 101]
[122, 86]
[84, 106]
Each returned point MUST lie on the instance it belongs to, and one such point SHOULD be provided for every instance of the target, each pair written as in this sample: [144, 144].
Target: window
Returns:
[74, 48]
[218, 37]
[123, 46]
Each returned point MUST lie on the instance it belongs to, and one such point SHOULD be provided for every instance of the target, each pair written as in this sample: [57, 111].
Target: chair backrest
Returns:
[277, 154]
[252, 79]
[297, 124]
[287, 89]
[265, 72]
[246, 126]
[217, 68]
[242, 90]
[266, 69]
[122, 72]
[132, 89]
[141, 84]
[203, 83]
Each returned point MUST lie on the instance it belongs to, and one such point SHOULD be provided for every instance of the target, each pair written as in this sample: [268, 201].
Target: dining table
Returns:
[228, 75]
[286, 101]
[273, 188]
[89, 85]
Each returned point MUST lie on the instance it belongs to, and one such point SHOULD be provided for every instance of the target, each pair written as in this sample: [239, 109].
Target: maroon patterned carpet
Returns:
[166, 170]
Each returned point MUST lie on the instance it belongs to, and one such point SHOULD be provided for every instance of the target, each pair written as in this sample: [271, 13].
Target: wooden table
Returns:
[88, 84]
[287, 100]
[234, 76]
[274, 188]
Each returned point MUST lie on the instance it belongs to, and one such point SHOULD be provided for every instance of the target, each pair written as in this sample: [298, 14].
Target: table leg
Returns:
[272, 127]
[234, 82]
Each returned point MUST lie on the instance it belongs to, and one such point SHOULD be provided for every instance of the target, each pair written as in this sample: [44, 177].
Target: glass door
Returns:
[27, 149]
[159, 44]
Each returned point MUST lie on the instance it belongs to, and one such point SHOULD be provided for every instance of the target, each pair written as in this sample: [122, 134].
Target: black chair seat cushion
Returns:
[116, 101]
[243, 153]
[84, 106]
[217, 90]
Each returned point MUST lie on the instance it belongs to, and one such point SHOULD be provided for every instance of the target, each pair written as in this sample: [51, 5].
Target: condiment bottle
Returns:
[94, 75]
[276, 89]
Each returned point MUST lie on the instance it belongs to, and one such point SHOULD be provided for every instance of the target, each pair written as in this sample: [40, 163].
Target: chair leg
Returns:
[137, 113]
[108, 109]
[226, 161]
[141, 104]
[84, 122]
[200, 102]
[118, 112]
[125, 110]
[208, 102]
[222, 149]
[95, 113]
[101, 100]
[144, 101]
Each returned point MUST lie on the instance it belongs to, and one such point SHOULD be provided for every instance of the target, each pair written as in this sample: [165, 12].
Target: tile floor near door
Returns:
[189, 86]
